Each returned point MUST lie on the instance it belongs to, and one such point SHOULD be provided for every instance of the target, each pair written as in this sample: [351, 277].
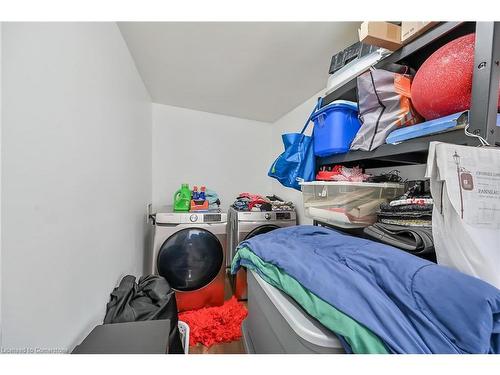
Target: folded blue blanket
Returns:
[413, 305]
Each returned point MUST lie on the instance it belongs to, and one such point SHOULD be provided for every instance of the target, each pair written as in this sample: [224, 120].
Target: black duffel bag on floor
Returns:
[151, 298]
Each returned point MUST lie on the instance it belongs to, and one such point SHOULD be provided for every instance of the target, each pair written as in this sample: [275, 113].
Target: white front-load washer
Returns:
[243, 225]
[189, 251]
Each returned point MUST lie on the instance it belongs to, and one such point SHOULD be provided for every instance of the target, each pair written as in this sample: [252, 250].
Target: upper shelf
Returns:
[413, 151]
[413, 54]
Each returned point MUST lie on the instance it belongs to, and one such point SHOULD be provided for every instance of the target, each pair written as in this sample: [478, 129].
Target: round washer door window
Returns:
[190, 259]
[261, 230]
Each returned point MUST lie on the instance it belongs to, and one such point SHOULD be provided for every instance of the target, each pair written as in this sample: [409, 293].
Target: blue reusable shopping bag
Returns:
[297, 163]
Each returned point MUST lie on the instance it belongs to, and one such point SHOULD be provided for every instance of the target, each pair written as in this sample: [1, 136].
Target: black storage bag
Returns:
[151, 298]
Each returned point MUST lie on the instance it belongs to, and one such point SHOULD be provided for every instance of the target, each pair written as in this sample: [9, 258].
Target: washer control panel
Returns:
[169, 218]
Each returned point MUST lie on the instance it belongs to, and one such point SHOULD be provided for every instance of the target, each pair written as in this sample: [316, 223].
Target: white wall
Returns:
[76, 178]
[227, 154]
[292, 122]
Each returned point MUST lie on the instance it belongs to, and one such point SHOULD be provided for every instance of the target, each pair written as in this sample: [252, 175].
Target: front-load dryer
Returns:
[243, 225]
[189, 251]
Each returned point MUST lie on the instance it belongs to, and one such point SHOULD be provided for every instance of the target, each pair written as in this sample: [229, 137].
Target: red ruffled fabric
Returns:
[214, 325]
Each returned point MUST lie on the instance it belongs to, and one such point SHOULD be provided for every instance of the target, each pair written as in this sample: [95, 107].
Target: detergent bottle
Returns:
[202, 194]
[182, 199]
[195, 193]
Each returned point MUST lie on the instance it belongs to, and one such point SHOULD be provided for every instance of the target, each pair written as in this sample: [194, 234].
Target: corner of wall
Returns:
[146, 90]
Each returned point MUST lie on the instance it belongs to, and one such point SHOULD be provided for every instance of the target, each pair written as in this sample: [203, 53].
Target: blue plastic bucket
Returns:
[335, 127]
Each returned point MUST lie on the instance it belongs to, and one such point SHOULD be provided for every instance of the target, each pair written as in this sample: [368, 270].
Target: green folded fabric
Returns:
[360, 338]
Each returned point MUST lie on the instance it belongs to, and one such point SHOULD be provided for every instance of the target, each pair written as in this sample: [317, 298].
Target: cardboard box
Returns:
[381, 34]
[412, 30]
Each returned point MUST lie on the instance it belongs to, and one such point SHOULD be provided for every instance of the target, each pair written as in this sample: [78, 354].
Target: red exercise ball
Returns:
[443, 84]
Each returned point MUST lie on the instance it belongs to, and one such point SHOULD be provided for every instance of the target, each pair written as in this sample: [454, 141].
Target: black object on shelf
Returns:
[484, 96]
[351, 53]
[144, 337]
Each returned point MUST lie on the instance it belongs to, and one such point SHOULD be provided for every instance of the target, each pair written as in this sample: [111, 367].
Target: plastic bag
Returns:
[149, 299]
[297, 163]
[384, 105]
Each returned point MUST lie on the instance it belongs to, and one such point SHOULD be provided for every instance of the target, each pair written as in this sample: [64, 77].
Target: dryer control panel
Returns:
[212, 218]
[284, 216]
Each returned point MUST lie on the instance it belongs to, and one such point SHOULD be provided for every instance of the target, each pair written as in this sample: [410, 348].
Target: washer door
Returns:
[261, 230]
[190, 259]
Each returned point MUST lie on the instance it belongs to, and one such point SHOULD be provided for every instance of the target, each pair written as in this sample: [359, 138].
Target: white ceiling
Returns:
[251, 70]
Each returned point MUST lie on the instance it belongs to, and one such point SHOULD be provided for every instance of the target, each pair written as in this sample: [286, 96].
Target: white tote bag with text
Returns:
[465, 186]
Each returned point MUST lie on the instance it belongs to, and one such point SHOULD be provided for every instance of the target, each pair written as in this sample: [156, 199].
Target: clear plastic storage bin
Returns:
[347, 204]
